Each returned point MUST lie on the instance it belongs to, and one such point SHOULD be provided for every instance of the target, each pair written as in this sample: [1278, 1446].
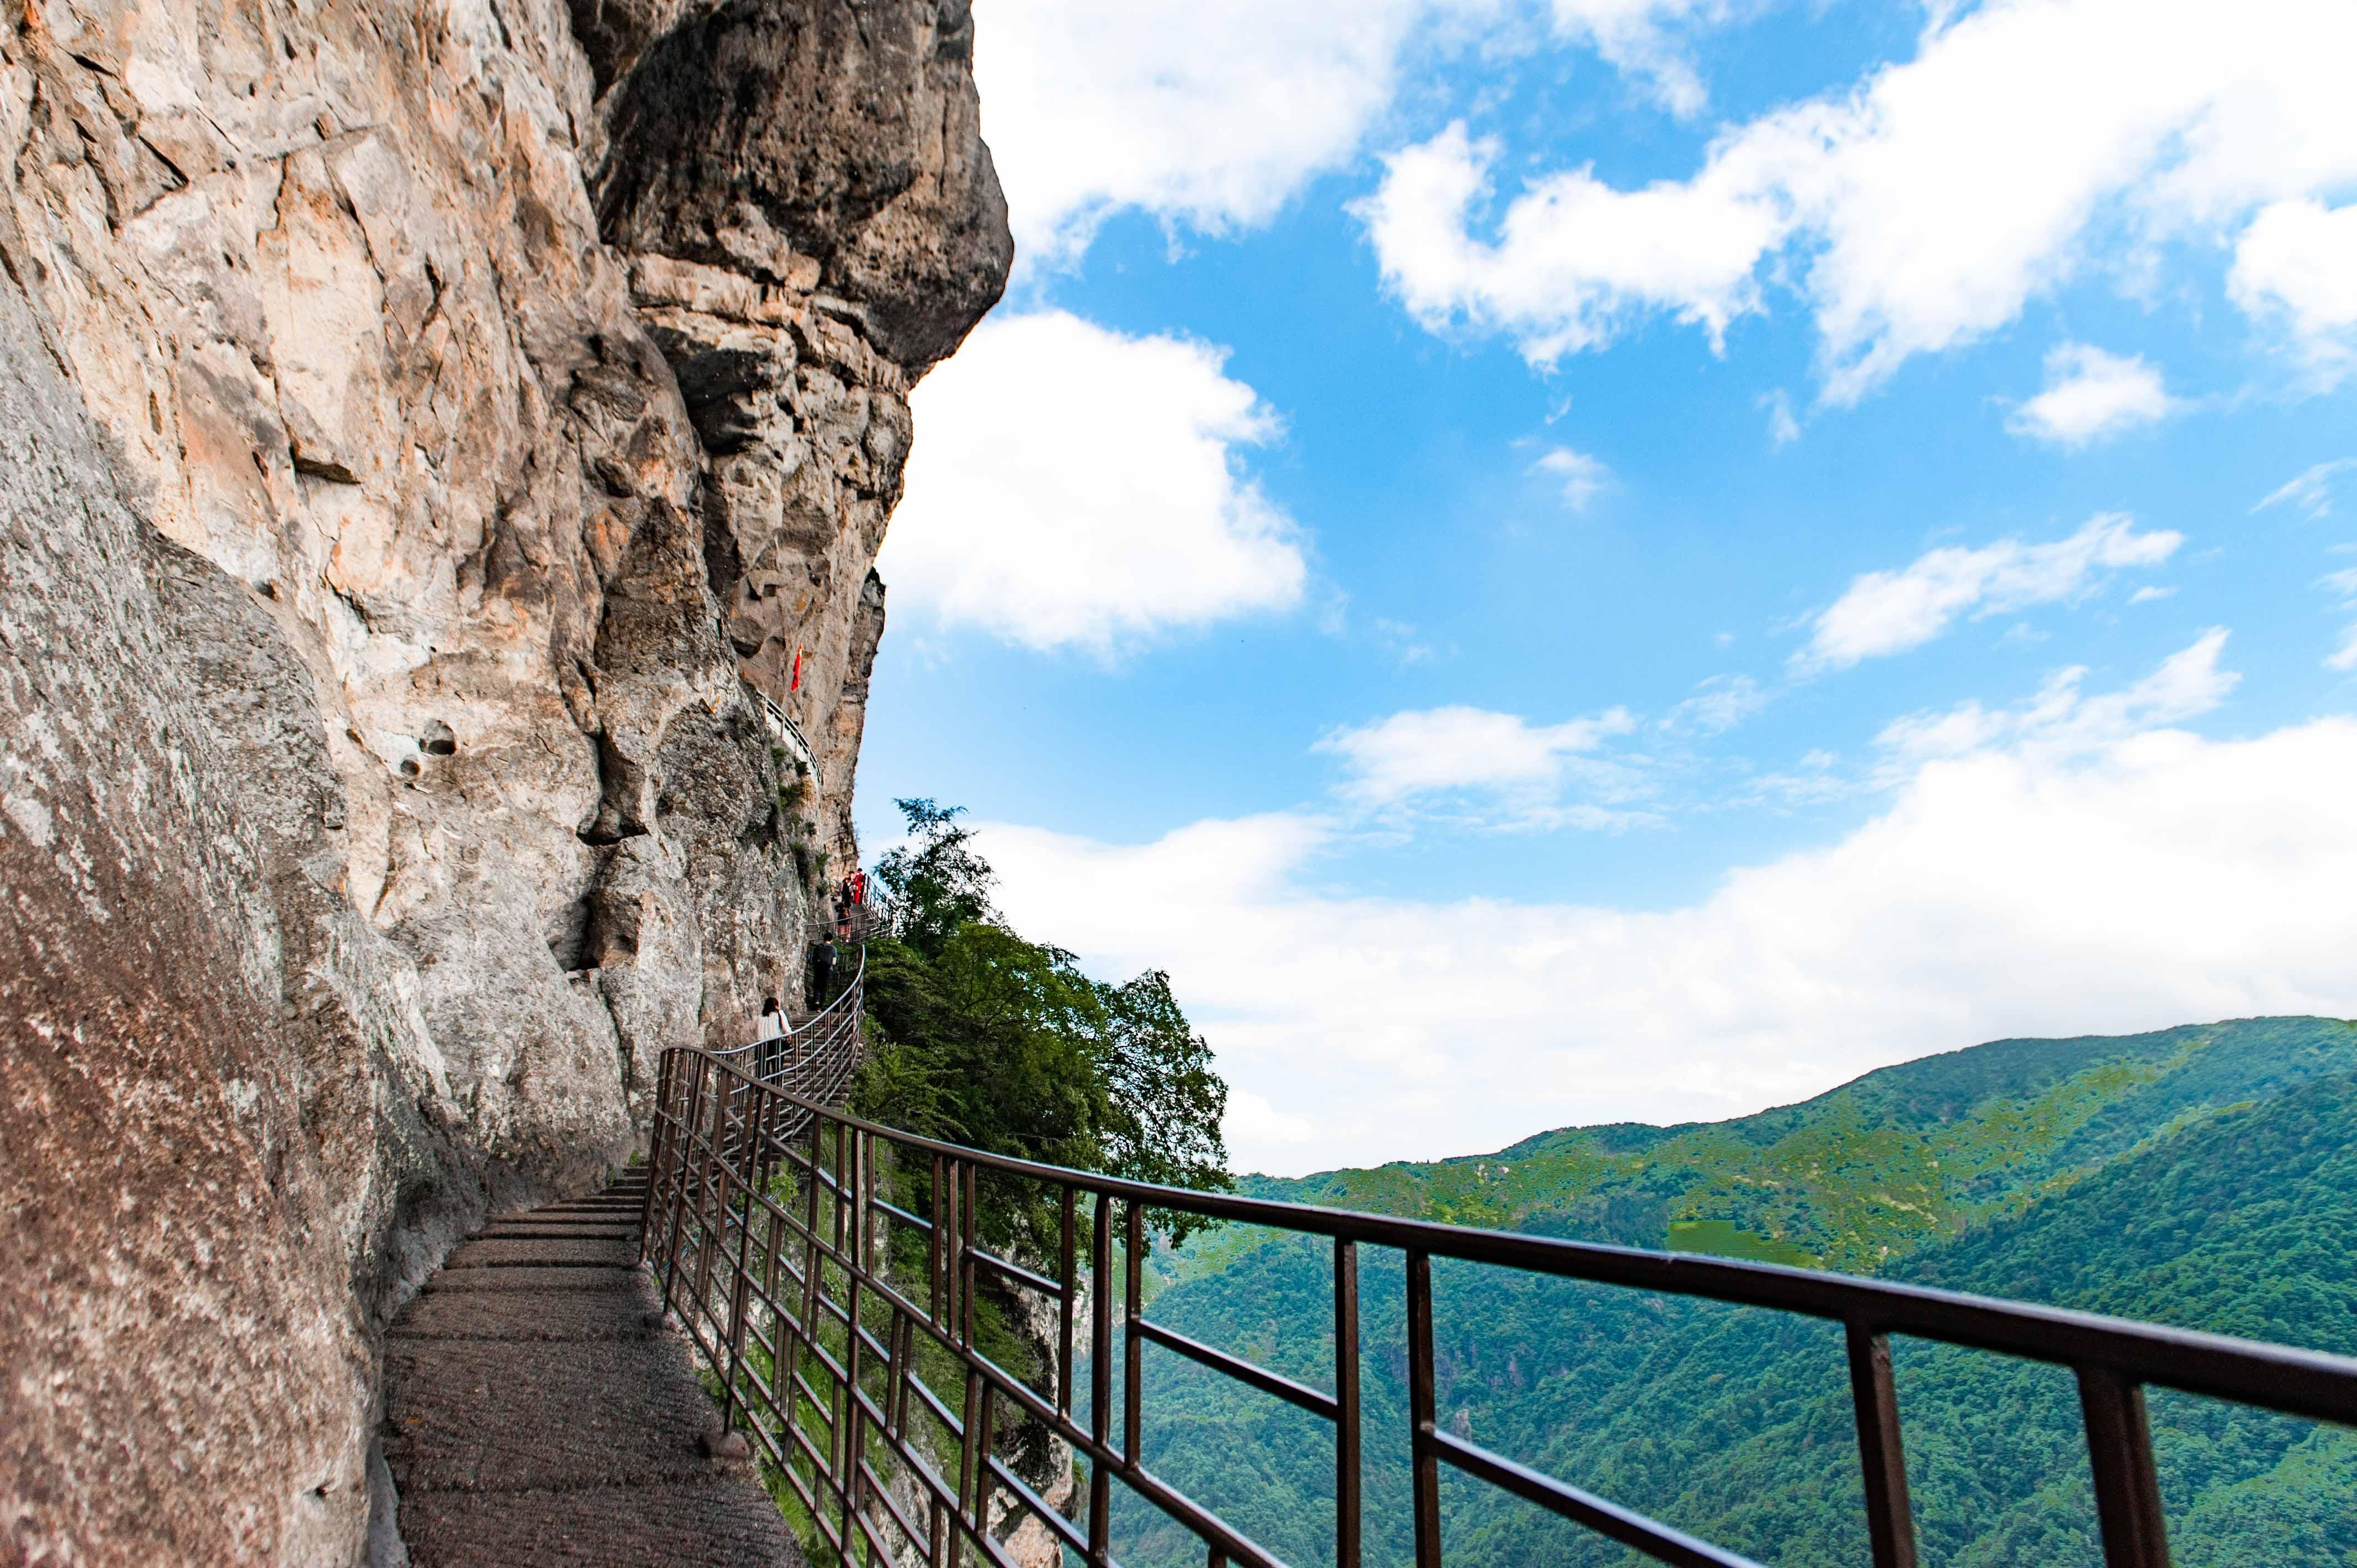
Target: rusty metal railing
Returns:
[769, 1222]
[816, 1061]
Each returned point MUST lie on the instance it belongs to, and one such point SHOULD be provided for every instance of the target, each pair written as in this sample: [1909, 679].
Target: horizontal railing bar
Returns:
[883, 1494]
[1656, 1541]
[2293, 1381]
[902, 1215]
[1072, 1535]
[1243, 1371]
[1213, 1530]
[1018, 1272]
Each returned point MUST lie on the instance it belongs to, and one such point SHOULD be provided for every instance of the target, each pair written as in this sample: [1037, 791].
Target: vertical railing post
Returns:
[1133, 1349]
[1101, 1383]
[813, 1260]
[904, 1351]
[947, 1231]
[854, 1249]
[2128, 1487]
[1065, 1277]
[712, 1214]
[1882, 1457]
[1425, 1462]
[969, 1239]
[936, 1301]
[983, 1438]
[682, 1134]
[1346, 1403]
[739, 1307]
[665, 1066]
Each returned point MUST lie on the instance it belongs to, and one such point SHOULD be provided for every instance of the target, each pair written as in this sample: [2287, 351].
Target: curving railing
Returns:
[769, 1224]
[785, 732]
[816, 1061]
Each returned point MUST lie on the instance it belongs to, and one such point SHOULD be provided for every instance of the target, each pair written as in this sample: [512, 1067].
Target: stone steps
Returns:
[537, 1412]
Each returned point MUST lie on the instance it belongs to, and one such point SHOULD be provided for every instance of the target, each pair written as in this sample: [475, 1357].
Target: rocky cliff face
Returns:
[427, 425]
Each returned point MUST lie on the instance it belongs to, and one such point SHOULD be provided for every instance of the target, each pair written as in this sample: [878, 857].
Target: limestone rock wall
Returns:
[420, 420]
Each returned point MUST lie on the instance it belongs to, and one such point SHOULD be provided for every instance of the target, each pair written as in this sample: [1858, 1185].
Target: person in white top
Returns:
[769, 1058]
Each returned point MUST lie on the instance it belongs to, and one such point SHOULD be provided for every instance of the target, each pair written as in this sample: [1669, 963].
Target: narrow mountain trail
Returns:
[537, 1412]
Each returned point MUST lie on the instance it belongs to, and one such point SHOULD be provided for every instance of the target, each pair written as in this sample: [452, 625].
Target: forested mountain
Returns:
[2204, 1176]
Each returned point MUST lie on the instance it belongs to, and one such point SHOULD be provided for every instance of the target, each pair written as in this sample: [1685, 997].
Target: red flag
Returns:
[796, 684]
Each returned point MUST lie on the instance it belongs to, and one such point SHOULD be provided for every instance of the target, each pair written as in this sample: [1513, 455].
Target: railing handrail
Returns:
[2113, 1359]
[848, 999]
[777, 711]
[2149, 1352]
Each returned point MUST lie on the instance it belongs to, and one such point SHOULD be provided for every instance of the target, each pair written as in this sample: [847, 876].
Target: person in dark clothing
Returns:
[822, 973]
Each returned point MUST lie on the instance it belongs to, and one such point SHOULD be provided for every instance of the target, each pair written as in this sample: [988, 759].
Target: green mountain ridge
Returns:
[2204, 1176]
[1869, 1170]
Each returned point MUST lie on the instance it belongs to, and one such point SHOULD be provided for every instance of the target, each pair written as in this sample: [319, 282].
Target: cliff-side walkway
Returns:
[537, 1412]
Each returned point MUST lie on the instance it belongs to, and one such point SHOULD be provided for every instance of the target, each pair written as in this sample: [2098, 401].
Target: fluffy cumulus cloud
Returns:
[2090, 395]
[2298, 263]
[1210, 112]
[1487, 766]
[1575, 257]
[1883, 612]
[2138, 876]
[1075, 486]
[2028, 142]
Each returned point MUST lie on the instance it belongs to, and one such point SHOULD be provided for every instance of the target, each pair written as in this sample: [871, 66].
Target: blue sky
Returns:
[1636, 558]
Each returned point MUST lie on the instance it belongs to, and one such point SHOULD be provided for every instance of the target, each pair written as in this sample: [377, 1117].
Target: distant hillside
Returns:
[2205, 1177]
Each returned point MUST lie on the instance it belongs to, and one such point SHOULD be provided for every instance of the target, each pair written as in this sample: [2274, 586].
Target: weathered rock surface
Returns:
[420, 422]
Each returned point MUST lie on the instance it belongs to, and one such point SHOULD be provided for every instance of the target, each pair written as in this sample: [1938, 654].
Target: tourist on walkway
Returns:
[822, 973]
[774, 1026]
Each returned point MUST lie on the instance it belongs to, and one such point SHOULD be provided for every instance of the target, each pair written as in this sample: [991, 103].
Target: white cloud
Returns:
[1718, 704]
[2061, 722]
[1782, 428]
[1575, 258]
[1213, 113]
[1405, 642]
[1073, 486]
[2159, 879]
[2090, 395]
[1635, 35]
[1884, 613]
[2297, 263]
[1496, 767]
[2148, 593]
[2311, 489]
[1579, 475]
[2028, 142]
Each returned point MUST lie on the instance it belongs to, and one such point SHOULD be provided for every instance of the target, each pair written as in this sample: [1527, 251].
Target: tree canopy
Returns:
[982, 1037]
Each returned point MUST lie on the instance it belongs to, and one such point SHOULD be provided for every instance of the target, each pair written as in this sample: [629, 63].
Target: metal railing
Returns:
[769, 1220]
[787, 733]
[816, 1061]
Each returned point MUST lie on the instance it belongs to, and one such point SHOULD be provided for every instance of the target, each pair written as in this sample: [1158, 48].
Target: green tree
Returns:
[939, 881]
[984, 1037]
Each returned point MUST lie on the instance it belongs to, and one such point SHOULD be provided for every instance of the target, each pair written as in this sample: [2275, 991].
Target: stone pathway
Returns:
[536, 1410]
